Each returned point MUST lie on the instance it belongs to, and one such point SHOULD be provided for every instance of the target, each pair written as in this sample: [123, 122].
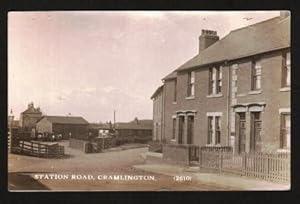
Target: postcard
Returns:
[149, 100]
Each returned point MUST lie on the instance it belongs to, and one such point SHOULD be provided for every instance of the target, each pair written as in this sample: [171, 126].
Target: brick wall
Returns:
[157, 117]
[78, 144]
[201, 103]
[270, 94]
[177, 154]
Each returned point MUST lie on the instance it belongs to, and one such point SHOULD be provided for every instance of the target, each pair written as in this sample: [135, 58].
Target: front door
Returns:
[241, 132]
[181, 129]
[255, 137]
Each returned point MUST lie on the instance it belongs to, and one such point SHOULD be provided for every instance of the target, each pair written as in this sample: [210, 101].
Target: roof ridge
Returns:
[264, 21]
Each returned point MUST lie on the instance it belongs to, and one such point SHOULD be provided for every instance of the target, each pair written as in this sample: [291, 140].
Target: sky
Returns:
[89, 63]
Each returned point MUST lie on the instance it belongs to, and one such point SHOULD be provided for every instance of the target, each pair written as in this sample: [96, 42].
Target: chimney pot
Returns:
[207, 38]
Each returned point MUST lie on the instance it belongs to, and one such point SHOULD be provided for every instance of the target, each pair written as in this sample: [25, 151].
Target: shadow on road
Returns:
[19, 181]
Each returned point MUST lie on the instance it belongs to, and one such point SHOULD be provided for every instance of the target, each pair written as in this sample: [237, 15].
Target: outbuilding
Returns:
[67, 126]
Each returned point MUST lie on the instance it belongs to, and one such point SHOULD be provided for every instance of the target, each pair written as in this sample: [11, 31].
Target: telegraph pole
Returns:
[114, 119]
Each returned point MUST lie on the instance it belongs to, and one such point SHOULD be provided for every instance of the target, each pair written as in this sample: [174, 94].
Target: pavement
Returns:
[231, 182]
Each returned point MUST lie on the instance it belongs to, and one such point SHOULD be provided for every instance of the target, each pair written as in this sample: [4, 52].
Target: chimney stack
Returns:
[207, 38]
[284, 14]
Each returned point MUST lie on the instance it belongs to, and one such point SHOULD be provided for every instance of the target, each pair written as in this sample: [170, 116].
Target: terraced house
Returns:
[235, 92]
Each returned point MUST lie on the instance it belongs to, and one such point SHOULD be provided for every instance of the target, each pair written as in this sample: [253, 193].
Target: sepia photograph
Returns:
[149, 101]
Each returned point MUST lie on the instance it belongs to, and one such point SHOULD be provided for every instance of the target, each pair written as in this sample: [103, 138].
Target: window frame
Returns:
[217, 130]
[283, 127]
[214, 132]
[286, 68]
[191, 84]
[215, 80]
[255, 75]
[210, 130]
[175, 91]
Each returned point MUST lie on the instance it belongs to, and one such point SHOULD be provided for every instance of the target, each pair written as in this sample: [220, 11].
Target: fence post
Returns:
[22, 146]
[221, 161]
[38, 149]
[200, 158]
[268, 167]
[244, 160]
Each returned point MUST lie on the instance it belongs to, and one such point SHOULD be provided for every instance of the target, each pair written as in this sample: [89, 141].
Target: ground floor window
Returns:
[214, 130]
[285, 130]
[174, 129]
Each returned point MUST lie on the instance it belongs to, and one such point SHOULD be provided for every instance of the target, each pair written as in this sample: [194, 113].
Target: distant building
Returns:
[135, 128]
[96, 129]
[29, 117]
[158, 100]
[68, 126]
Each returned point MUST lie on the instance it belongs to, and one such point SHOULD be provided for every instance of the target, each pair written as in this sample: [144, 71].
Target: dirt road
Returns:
[24, 169]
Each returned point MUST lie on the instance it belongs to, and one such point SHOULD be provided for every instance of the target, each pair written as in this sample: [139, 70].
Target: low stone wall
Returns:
[177, 153]
[155, 146]
[78, 144]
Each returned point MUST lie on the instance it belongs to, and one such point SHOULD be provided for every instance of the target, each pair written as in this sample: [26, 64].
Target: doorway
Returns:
[241, 131]
[180, 129]
[190, 130]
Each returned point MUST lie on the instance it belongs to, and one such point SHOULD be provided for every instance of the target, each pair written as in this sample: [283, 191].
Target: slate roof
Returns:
[99, 126]
[258, 38]
[133, 125]
[32, 110]
[172, 75]
[157, 91]
[74, 120]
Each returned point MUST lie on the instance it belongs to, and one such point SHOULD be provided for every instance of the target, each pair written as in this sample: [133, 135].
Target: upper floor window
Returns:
[191, 84]
[175, 91]
[286, 69]
[215, 80]
[256, 75]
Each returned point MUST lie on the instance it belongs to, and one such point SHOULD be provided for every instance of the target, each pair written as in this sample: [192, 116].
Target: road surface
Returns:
[92, 172]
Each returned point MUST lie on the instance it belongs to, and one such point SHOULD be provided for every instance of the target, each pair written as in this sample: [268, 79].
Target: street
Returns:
[89, 171]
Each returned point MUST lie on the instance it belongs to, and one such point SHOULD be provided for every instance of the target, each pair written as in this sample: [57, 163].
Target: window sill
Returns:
[173, 140]
[174, 102]
[214, 95]
[190, 97]
[283, 150]
[285, 89]
[255, 92]
[213, 145]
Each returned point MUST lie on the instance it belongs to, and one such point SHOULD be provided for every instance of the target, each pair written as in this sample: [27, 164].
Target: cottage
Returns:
[235, 92]
[68, 126]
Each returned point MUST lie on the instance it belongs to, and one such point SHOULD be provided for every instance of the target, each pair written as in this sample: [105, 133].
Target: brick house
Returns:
[234, 92]
[68, 126]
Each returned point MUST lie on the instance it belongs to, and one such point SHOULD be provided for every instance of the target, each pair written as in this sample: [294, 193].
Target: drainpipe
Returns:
[163, 114]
